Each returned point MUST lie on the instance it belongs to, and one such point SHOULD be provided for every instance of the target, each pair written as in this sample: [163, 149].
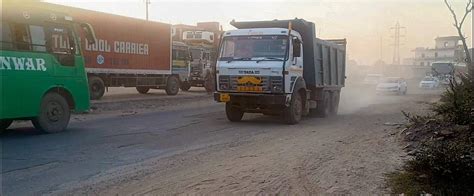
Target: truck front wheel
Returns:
[96, 87]
[4, 124]
[143, 89]
[185, 86]
[294, 112]
[172, 86]
[54, 114]
[233, 113]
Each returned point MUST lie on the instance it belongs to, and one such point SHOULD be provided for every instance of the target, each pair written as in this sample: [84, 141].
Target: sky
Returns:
[365, 23]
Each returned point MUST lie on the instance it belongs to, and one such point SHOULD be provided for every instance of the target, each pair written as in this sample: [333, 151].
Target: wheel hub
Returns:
[54, 111]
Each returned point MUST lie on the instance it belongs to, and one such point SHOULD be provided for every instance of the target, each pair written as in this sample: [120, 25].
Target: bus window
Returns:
[62, 45]
[38, 41]
[6, 41]
[21, 37]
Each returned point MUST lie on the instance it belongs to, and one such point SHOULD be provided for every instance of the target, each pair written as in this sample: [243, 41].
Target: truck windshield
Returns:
[195, 53]
[261, 47]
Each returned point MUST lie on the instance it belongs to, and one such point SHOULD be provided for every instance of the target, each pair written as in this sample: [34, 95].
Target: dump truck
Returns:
[279, 67]
[130, 52]
[42, 69]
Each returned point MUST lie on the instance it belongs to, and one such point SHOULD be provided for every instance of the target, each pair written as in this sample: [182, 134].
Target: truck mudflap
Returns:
[249, 98]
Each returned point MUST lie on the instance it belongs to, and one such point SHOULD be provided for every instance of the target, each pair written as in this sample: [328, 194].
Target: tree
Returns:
[459, 24]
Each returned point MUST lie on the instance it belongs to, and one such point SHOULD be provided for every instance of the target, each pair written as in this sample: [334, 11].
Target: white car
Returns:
[372, 79]
[392, 85]
[429, 82]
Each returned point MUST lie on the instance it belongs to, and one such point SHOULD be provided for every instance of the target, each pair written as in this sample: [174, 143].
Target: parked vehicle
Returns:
[279, 67]
[429, 82]
[372, 79]
[203, 50]
[42, 69]
[444, 71]
[392, 85]
[125, 56]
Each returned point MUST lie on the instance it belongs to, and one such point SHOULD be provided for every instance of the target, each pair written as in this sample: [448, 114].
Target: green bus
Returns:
[42, 74]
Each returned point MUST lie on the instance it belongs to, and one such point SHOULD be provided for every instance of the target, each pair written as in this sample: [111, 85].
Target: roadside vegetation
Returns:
[441, 147]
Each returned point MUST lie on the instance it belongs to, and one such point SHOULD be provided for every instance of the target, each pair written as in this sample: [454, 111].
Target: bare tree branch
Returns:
[468, 10]
[452, 13]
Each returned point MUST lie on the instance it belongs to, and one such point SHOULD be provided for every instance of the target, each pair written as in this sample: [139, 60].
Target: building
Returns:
[446, 49]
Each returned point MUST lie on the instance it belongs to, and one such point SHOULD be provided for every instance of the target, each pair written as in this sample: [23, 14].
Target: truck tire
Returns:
[54, 114]
[323, 108]
[172, 86]
[233, 114]
[335, 97]
[294, 112]
[96, 87]
[185, 86]
[4, 124]
[143, 89]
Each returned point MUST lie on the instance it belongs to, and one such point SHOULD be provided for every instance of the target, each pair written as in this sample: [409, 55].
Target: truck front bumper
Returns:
[251, 98]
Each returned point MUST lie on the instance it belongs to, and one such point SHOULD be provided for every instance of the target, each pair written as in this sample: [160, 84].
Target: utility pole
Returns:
[147, 2]
[396, 43]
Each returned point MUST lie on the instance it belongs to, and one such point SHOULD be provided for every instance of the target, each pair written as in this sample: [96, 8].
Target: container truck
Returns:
[130, 52]
[281, 68]
[42, 73]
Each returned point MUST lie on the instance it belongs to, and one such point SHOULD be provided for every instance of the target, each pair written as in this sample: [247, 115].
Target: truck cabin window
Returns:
[179, 54]
[268, 47]
[196, 53]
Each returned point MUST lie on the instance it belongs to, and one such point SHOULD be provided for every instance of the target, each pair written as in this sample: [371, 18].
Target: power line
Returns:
[396, 43]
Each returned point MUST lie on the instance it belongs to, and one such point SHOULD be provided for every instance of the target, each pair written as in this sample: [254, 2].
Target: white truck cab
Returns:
[271, 68]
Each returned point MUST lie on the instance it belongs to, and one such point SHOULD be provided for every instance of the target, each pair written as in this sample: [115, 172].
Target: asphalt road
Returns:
[81, 158]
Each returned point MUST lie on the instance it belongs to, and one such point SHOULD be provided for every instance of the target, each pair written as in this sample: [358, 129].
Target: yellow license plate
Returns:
[249, 88]
[224, 97]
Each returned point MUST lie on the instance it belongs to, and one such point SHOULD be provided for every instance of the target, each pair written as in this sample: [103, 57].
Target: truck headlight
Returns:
[276, 83]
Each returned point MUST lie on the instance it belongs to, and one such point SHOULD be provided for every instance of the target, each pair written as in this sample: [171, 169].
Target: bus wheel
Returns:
[233, 114]
[143, 89]
[172, 86]
[96, 87]
[185, 86]
[54, 114]
[4, 124]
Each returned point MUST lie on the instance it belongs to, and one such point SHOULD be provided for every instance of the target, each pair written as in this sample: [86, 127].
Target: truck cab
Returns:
[279, 67]
[42, 69]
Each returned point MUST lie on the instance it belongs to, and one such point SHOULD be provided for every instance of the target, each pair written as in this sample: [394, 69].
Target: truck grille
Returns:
[249, 83]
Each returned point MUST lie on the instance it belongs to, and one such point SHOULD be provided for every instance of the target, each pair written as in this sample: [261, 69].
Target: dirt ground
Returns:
[345, 154]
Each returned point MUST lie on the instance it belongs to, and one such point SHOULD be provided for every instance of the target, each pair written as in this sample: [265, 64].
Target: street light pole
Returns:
[147, 2]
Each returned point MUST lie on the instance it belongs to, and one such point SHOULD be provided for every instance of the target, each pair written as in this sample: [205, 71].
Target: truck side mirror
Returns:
[296, 47]
[89, 33]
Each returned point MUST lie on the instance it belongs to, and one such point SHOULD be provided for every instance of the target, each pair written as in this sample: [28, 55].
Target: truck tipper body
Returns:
[130, 52]
[42, 72]
[279, 67]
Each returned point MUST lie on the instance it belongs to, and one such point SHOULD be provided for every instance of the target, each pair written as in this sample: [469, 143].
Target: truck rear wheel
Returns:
[54, 114]
[185, 86]
[143, 89]
[323, 108]
[233, 113]
[96, 87]
[4, 124]
[294, 112]
[172, 85]
[335, 96]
